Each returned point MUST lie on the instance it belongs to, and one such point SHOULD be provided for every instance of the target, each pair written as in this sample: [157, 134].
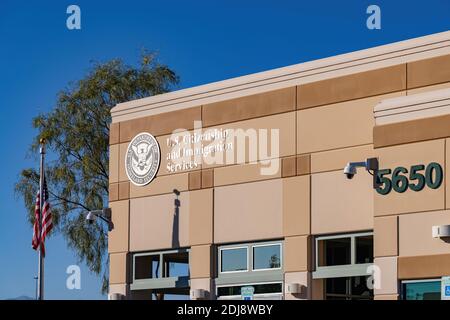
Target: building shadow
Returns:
[176, 224]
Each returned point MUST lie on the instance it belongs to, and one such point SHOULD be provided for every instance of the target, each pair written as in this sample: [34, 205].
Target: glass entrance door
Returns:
[347, 288]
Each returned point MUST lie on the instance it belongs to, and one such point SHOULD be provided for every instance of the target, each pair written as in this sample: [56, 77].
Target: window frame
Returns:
[160, 282]
[279, 244]
[346, 270]
[221, 249]
[402, 294]
[250, 254]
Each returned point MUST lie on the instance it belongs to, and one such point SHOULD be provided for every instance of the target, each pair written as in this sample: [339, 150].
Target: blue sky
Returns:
[203, 41]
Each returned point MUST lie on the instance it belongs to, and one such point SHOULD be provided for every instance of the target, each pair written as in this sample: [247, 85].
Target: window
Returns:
[266, 257]
[333, 252]
[176, 264]
[343, 262]
[364, 249]
[341, 250]
[421, 290]
[161, 265]
[234, 259]
[252, 257]
[147, 267]
[348, 288]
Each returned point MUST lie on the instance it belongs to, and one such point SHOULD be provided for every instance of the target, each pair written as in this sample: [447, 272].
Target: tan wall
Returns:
[114, 163]
[284, 123]
[161, 185]
[387, 297]
[246, 173]
[406, 156]
[386, 236]
[152, 223]
[296, 206]
[337, 159]
[118, 268]
[339, 204]
[415, 233]
[249, 107]
[387, 276]
[440, 86]
[337, 125]
[201, 217]
[297, 254]
[423, 267]
[205, 284]
[118, 240]
[200, 262]
[302, 278]
[249, 211]
[429, 71]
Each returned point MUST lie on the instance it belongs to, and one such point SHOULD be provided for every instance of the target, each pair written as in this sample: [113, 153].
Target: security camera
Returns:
[91, 217]
[350, 170]
[177, 193]
[370, 164]
[104, 214]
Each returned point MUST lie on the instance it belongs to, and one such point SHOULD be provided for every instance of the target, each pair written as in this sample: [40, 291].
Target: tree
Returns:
[77, 135]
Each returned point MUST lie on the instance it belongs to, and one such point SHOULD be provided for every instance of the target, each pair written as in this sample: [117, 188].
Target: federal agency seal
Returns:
[142, 159]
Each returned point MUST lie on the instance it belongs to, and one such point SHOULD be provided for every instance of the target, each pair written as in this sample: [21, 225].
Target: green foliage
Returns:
[77, 135]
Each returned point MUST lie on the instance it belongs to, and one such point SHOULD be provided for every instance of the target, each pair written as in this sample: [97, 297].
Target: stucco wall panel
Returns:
[339, 204]
[339, 125]
[429, 71]
[406, 156]
[118, 237]
[253, 106]
[249, 211]
[247, 172]
[354, 86]
[153, 223]
[415, 233]
[118, 268]
[201, 217]
[161, 185]
[296, 206]
[337, 159]
[200, 262]
[386, 236]
[114, 163]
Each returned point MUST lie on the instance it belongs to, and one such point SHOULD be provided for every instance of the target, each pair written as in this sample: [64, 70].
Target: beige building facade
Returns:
[261, 201]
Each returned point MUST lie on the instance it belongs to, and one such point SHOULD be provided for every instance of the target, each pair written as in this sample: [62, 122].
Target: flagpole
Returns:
[40, 291]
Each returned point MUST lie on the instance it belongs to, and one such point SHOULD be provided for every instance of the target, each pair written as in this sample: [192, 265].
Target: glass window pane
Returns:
[426, 290]
[267, 257]
[234, 259]
[336, 286]
[333, 252]
[359, 289]
[147, 267]
[364, 249]
[176, 264]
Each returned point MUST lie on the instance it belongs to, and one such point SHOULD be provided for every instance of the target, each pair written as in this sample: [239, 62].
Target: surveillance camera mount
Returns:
[371, 165]
[105, 215]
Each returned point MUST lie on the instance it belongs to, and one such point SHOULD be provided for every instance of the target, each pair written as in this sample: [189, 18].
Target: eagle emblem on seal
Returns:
[142, 159]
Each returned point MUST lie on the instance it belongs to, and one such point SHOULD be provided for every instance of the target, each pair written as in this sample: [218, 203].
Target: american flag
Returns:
[39, 235]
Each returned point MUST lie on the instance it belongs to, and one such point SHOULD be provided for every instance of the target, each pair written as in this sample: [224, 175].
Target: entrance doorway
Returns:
[348, 288]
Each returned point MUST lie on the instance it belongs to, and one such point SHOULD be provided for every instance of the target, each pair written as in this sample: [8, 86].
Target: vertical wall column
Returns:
[386, 252]
[201, 256]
